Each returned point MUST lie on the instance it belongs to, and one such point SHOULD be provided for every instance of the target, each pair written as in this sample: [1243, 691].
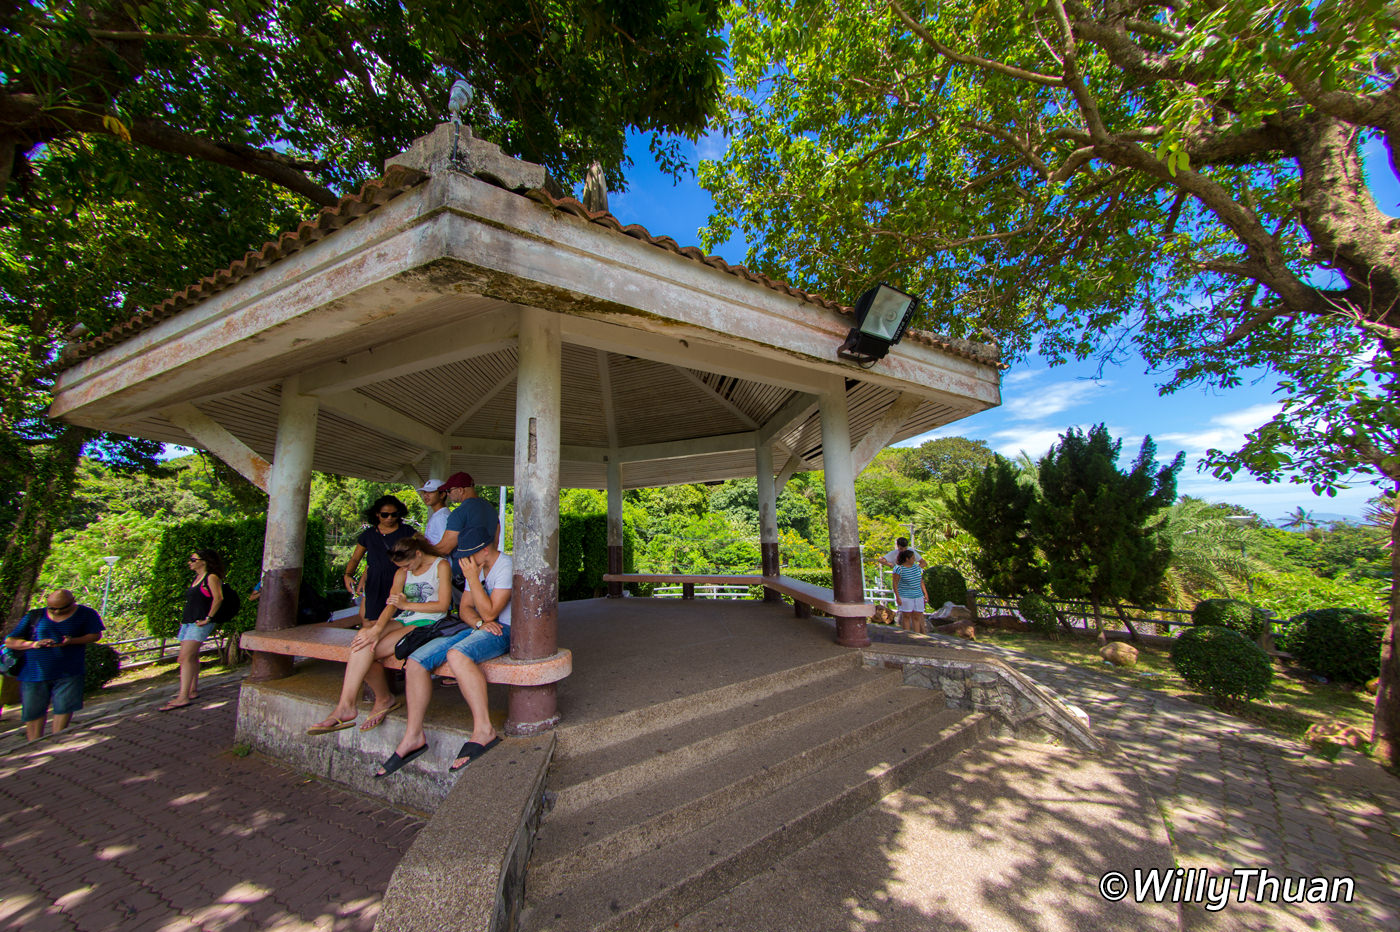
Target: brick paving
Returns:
[1238, 796]
[150, 821]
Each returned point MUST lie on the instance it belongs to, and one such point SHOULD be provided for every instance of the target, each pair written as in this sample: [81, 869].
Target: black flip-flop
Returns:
[395, 763]
[472, 750]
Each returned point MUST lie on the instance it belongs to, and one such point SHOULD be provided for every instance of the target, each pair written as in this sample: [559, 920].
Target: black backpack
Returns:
[228, 607]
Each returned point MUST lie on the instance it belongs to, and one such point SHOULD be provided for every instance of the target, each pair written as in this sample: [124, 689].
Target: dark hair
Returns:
[213, 562]
[371, 514]
[413, 543]
[901, 542]
[906, 555]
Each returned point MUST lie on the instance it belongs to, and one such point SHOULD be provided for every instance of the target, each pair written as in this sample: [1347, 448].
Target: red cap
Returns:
[458, 480]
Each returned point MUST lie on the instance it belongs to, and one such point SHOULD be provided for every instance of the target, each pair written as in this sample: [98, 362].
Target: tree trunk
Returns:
[47, 497]
[1122, 616]
[1385, 728]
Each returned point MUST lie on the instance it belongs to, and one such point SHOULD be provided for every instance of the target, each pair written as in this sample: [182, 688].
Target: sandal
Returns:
[396, 763]
[377, 718]
[335, 725]
[172, 706]
[471, 751]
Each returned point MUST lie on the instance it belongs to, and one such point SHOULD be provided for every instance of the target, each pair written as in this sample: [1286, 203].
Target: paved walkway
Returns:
[1238, 796]
[148, 821]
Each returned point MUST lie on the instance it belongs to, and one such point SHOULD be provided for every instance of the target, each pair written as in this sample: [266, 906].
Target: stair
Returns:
[658, 812]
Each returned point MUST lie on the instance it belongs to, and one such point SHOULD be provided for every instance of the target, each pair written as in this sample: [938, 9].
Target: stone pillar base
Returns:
[850, 632]
[265, 667]
[532, 710]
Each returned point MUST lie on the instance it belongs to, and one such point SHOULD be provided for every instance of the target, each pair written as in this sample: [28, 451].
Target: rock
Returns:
[958, 613]
[1119, 654]
[959, 629]
[883, 616]
[1005, 622]
[1374, 686]
[1337, 733]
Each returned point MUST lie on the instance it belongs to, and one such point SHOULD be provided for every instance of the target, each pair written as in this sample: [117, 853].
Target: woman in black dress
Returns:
[202, 600]
[386, 525]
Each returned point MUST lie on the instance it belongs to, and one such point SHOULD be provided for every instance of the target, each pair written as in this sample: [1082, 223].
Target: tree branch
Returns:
[1009, 70]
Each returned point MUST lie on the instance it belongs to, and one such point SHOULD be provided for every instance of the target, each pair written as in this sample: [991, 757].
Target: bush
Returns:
[1249, 620]
[817, 577]
[101, 666]
[944, 584]
[1338, 643]
[1222, 663]
[1037, 610]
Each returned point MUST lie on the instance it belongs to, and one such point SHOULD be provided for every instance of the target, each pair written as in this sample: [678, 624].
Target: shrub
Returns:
[101, 666]
[944, 584]
[817, 577]
[1222, 663]
[1249, 620]
[1338, 643]
[1037, 610]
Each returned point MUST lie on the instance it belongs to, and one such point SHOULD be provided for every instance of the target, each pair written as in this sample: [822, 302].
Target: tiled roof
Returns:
[399, 179]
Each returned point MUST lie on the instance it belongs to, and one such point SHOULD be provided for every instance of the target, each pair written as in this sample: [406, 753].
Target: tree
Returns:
[952, 459]
[312, 96]
[1207, 559]
[1091, 518]
[995, 510]
[1186, 179]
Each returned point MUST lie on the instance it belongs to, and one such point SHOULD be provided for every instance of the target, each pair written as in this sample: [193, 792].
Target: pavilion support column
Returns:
[841, 513]
[437, 464]
[614, 522]
[289, 496]
[768, 517]
[535, 612]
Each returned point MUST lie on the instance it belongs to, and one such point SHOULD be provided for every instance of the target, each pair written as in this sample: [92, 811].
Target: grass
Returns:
[1294, 703]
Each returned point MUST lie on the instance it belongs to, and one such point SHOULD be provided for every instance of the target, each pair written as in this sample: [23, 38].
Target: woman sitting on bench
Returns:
[421, 594]
[485, 607]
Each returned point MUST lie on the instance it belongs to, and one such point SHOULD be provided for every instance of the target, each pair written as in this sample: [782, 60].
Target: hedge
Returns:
[1222, 663]
[944, 584]
[1249, 620]
[101, 664]
[1338, 643]
[240, 543]
[583, 554]
[1039, 612]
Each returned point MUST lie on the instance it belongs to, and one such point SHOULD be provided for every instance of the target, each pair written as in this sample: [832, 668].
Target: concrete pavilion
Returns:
[455, 314]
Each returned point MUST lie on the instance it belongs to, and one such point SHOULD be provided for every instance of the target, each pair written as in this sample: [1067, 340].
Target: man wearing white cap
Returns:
[435, 497]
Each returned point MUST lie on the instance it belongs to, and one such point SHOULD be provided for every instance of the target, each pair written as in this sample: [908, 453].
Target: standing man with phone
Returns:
[53, 641]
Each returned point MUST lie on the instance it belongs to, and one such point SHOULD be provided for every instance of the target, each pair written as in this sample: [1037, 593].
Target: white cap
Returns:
[432, 485]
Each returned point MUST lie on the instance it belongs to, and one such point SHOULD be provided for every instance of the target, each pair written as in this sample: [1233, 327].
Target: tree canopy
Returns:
[1186, 180]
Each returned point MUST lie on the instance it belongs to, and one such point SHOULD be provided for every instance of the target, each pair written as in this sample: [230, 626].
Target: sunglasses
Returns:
[389, 514]
[193, 560]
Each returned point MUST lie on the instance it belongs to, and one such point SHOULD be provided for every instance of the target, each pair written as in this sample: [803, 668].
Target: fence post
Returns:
[972, 605]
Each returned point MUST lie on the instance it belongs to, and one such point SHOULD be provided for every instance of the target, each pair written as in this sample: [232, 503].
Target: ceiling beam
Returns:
[698, 446]
[483, 400]
[605, 388]
[480, 335]
[487, 446]
[386, 420]
[797, 409]
[212, 436]
[883, 430]
[714, 395]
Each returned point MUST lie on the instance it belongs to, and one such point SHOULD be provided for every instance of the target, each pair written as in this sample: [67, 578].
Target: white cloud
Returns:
[711, 146]
[1017, 378]
[1226, 431]
[1035, 442]
[1049, 400]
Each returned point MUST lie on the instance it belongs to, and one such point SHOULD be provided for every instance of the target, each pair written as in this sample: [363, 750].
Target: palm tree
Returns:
[1298, 519]
[1206, 557]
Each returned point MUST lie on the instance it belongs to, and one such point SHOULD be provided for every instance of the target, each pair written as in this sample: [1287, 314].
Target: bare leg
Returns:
[918, 625]
[60, 722]
[472, 682]
[363, 667]
[34, 729]
[188, 662]
[418, 688]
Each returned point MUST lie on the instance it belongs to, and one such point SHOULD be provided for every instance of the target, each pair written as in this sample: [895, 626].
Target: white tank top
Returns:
[422, 588]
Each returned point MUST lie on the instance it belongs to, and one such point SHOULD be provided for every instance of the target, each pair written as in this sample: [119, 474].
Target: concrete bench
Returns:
[324, 642]
[804, 595]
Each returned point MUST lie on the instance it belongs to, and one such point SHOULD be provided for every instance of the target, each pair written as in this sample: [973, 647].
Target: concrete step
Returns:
[612, 771]
[571, 844]
[1005, 837]
[662, 884]
[577, 740]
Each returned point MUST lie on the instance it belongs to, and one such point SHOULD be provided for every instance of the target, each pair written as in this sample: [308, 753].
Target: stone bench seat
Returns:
[802, 593]
[325, 642]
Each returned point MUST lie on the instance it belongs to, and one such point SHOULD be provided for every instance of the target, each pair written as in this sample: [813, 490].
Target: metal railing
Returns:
[703, 591]
[160, 648]
[1079, 614]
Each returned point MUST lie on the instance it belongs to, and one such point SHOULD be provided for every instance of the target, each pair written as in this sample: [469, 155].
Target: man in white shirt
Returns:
[901, 544]
[435, 497]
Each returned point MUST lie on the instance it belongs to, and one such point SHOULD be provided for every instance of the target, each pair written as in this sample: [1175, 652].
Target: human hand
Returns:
[492, 627]
[366, 637]
[398, 600]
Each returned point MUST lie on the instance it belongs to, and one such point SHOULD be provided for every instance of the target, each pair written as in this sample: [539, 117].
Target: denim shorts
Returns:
[65, 693]
[193, 632]
[476, 645]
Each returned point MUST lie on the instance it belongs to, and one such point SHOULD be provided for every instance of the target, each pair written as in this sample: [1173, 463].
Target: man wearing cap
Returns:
[54, 643]
[434, 495]
[472, 511]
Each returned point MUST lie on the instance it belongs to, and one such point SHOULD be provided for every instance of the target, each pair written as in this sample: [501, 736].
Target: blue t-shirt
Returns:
[45, 664]
[474, 512]
[910, 580]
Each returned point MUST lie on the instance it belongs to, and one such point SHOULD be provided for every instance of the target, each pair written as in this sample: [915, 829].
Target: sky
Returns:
[1039, 402]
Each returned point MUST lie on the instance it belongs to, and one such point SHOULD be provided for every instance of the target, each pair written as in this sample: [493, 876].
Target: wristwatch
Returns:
[479, 623]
